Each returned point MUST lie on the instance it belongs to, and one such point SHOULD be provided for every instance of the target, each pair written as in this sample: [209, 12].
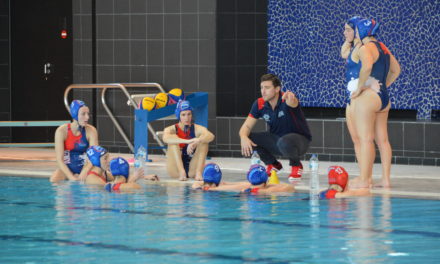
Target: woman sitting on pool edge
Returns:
[257, 177]
[71, 143]
[338, 182]
[98, 175]
[212, 176]
[187, 145]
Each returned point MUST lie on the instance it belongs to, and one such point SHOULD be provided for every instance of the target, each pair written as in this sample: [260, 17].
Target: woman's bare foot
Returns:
[198, 177]
[183, 176]
[358, 183]
[384, 183]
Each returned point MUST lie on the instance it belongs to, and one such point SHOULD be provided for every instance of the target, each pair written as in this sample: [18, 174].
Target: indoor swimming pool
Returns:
[170, 223]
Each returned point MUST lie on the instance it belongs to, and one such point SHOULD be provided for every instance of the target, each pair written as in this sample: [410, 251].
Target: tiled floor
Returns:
[407, 180]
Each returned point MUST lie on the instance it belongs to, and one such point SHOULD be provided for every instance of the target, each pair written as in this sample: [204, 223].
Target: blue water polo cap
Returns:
[352, 22]
[182, 105]
[212, 173]
[74, 108]
[367, 27]
[257, 175]
[94, 153]
[119, 167]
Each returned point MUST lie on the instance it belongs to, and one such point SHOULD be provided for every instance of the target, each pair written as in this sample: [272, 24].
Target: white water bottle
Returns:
[314, 177]
[255, 158]
[140, 158]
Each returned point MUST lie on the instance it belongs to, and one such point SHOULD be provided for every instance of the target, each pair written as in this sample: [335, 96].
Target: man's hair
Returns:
[271, 77]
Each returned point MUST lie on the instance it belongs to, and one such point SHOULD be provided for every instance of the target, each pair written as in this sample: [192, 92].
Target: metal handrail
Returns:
[150, 128]
[135, 106]
[105, 86]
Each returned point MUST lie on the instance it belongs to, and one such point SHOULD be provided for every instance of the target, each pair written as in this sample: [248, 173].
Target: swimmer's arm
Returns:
[151, 177]
[282, 187]
[85, 170]
[139, 174]
[203, 134]
[394, 71]
[345, 49]
[354, 192]
[170, 137]
[197, 185]
[92, 135]
[129, 186]
[60, 136]
[109, 176]
[233, 186]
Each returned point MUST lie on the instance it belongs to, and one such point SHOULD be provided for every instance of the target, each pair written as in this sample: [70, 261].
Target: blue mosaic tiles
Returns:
[305, 39]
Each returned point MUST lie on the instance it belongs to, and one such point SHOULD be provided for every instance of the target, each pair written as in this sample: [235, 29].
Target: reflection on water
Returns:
[165, 223]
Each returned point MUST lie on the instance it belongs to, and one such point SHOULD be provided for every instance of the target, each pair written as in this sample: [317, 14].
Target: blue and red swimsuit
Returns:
[185, 134]
[75, 148]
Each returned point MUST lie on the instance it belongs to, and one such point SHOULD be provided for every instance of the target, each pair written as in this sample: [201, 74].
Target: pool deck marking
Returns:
[227, 219]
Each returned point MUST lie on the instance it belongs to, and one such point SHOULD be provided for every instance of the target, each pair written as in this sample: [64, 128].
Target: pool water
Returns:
[70, 222]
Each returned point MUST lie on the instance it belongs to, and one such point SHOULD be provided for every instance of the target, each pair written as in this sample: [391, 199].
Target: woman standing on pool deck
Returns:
[370, 102]
[71, 143]
[350, 51]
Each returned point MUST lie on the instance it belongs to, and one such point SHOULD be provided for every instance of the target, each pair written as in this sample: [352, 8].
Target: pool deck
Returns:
[407, 180]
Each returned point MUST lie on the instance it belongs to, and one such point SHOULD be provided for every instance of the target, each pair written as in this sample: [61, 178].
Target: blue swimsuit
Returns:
[189, 134]
[75, 148]
[380, 72]
[352, 72]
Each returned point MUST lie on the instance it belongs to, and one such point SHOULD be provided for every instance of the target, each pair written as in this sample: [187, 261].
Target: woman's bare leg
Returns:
[57, 176]
[365, 111]
[197, 163]
[352, 129]
[174, 162]
[381, 138]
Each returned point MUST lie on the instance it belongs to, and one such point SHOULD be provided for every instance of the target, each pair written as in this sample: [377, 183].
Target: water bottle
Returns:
[255, 158]
[314, 178]
[140, 158]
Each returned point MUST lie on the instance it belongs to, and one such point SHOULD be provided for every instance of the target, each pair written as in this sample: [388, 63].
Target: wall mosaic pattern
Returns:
[305, 39]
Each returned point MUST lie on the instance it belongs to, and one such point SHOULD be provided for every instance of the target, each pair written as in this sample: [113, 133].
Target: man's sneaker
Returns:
[296, 172]
[277, 166]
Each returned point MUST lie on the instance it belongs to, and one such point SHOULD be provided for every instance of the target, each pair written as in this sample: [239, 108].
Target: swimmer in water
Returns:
[257, 177]
[338, 185]
[123, 181]
[212, 176]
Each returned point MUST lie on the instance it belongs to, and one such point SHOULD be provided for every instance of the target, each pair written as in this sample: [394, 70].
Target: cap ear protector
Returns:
[337, 175]
[212, 174]
[94, 153]
[74, 108]
[352, 22]
[257, 175]
[119, 167]
[367, 27]
[182, 106]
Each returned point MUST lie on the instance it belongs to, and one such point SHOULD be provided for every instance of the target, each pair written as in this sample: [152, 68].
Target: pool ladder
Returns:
[131, 101]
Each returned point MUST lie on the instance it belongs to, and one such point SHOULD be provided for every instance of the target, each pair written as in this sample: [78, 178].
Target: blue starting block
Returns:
[198, 101]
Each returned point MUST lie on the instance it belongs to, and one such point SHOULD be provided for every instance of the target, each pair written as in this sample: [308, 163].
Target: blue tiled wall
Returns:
[305, 38]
